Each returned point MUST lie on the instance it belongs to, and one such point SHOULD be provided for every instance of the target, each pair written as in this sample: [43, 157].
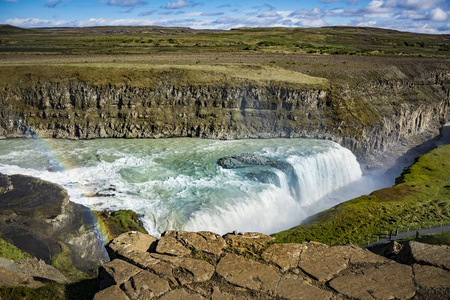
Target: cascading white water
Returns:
[325, 172]
[177, 184]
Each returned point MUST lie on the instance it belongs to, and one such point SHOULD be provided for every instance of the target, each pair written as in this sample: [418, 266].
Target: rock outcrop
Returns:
[31, 273]
[39, 219]
[204, 265]
[374, 115]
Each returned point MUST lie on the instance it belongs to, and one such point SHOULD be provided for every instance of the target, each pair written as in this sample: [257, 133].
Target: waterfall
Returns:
[283, 206]
[179, 183]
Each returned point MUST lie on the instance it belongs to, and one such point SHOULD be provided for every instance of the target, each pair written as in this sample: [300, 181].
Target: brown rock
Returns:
[145, 285]
[388, 281]
[323, 262]
[197, 270]
[286, 256]
[431, 277]
[35, 268]
[204, 241]
[111, 293]
[247, 273]
[116, 272]
[128, 242]
[358, 255]
[146, 261]
[425, 254]
[171, 246]
[180, 294]
[248, 242]
[221, 295]
[392, 250]
[295, 287]
[8, 278]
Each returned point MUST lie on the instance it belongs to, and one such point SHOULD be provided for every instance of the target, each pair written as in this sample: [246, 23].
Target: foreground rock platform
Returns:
[205, 265]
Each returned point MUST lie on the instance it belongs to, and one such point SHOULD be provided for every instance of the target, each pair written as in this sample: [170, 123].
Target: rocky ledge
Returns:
[38, 218]
[204, 265]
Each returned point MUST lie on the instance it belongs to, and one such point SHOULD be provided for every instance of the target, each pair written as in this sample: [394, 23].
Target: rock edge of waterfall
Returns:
[205, 265]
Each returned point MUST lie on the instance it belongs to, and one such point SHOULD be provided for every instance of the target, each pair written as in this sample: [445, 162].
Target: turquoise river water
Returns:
[177, 183]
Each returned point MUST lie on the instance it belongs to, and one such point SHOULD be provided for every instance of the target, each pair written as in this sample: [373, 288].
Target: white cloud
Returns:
[413, 4]
[437, 15]
[311, 23]
[126, 3]
[376, 7]
[309, 14]
[269, 14]
[180, 4]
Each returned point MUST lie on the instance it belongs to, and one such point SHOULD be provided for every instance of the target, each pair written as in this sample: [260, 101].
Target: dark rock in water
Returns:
[40, 217]
[246, 160]
[252, 159]
[264, 176]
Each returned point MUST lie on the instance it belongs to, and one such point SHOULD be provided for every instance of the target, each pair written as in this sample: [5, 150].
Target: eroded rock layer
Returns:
[372, 114]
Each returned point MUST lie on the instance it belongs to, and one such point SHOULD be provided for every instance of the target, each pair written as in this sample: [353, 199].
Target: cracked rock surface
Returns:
[204, 265]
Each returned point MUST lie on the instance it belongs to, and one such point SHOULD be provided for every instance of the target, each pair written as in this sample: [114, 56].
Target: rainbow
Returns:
[65, 163]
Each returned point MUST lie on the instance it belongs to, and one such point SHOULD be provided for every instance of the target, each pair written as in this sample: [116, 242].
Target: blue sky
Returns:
[424, 16]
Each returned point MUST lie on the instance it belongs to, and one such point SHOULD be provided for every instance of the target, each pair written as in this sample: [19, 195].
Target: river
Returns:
[177, 183]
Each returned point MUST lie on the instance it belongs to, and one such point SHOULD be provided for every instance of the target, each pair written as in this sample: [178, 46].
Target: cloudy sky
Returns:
[424, 16]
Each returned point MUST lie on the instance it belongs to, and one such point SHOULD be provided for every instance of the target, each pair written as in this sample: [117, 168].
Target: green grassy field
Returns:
[144, 40]
[420, 199]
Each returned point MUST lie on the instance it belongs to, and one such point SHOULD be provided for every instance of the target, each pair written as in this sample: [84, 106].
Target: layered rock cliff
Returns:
[374, 116]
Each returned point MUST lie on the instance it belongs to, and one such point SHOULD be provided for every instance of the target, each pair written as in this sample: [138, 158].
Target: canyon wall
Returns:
[375, 118]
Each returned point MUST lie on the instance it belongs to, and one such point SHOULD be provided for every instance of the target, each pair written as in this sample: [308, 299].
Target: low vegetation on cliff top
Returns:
[152, 39]
[420, 199]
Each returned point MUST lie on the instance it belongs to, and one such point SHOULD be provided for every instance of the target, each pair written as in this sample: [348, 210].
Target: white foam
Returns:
[176, 184]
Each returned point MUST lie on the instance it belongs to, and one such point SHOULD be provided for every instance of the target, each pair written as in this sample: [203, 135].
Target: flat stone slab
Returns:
[295, 287]
[435, 255]
[8, 278]
[388, 281]
[171, 246]
[128, 242]
[181, 294]
[247, 273]
[285, 256]
[204, 241]
[145, 285]
[111, 293]
[197, 270]
[116, 272]
[247, 242]
[324, 262]
[35, 268]
[431, 277]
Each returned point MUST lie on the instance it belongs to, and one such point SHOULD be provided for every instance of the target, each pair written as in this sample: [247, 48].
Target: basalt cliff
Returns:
[376, 114]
